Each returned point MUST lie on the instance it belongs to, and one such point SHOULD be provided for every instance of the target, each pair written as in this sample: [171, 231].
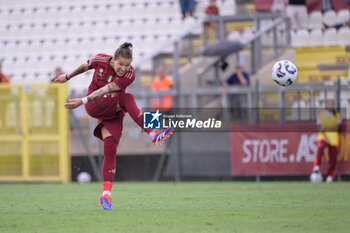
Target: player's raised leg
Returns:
[128, 102]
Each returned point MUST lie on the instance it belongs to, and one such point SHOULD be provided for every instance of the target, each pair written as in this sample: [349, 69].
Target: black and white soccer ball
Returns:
[284, 73]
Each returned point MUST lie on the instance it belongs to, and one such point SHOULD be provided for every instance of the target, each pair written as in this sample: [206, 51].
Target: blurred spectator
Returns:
[3, 77]
[328, 122]
[241, 78]
[162, 83]
[187, 7]
[278, 6]
[58, 72]
[297, 12]
[347, 2]
[212, 10]
[327, 5]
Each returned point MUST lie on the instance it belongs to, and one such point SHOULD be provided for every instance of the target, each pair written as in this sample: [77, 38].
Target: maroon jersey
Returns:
[104, 73]
[105, 108]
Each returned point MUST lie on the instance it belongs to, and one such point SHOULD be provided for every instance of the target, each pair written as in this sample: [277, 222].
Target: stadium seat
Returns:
[175, 26]
[265, 22]
[43, 14]
[49, 30]
[148, 44]
[112, 26]
[63, 14]
[315, 20]
[123, 26]
[159, 25]
[16, 48]
[330, 37]
[59, 46]
[83, 12]
[343, 36]
[161, 41]
[109, 45]
[152, 10]
[125, 11]
[189, 22]
[175, 8]
[36, 47]
[234, 36]
[35, 31]
[138, 10]
[3, 29]
[343, 16]
[301, 38]
[167, 9]
[227, 7]
[200, 8]
[137, 43]
[76, 12]
[149, 25]
[15, 32]
[316, 37]
[267, 39]
[99, 28]
[138, 27]
[281, 38]
[246, 36]
[330, 18]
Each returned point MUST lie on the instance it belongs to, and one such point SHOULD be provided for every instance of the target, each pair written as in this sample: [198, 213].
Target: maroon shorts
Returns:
[105, 110]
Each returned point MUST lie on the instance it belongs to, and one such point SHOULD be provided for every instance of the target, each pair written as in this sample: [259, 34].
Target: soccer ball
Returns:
[284, 73]
[84, 178]
[316, 177]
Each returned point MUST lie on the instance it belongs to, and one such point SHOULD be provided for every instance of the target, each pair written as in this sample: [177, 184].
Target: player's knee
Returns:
[110, 145]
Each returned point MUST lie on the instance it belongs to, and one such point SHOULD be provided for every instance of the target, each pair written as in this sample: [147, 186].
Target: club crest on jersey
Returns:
[109, 78]
[100, 72]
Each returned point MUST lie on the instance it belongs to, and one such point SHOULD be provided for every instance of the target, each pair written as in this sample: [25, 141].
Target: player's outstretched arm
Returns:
[109, 88]
[65, 77]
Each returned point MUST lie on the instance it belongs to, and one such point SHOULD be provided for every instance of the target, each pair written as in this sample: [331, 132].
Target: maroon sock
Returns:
[109, 162]
[127, 101]
[321, 145]
[332, 153]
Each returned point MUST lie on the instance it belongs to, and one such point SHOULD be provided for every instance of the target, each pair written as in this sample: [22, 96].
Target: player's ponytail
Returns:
[124, 50]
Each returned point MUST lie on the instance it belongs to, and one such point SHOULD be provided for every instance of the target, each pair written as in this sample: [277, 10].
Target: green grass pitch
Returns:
[177, 207]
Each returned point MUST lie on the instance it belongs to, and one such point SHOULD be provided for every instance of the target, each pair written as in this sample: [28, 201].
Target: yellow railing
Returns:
[34, 133]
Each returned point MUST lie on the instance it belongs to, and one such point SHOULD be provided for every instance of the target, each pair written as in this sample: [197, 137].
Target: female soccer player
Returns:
[107, 101]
